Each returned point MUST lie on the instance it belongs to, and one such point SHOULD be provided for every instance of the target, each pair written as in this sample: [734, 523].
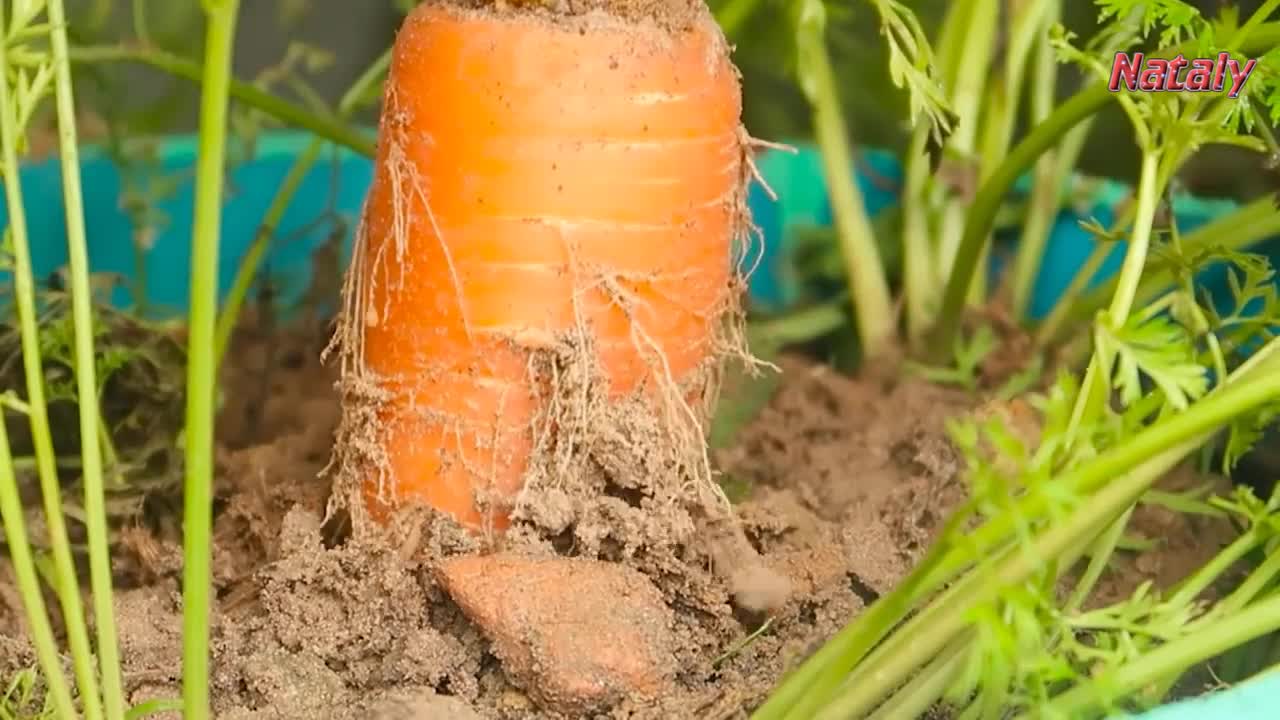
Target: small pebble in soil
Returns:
[758, 588]
[578, 635]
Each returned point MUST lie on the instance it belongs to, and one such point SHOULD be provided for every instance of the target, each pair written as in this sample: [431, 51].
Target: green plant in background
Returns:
[197, 518]
[35, 69]
[28, 71]
[979, 624]
[910, 65]
[85, 369]
[360, 94]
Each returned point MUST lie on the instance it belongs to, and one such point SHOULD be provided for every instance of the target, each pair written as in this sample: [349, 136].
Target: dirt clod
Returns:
[754, 586]
[576, 634]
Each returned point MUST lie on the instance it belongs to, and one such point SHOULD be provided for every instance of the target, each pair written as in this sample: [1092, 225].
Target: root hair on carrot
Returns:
[609, 443]
[358, 454]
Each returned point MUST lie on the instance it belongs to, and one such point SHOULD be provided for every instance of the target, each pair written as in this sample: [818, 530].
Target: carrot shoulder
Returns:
[552, 200]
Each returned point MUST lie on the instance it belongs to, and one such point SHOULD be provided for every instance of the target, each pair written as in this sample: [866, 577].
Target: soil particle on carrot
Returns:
[672, 14]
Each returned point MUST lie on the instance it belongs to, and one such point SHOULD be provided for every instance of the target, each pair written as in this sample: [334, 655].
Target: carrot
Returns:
[545, 264]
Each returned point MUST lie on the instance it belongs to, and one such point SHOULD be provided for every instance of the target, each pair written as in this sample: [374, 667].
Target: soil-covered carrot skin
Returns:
[555, 194]
[677, 14]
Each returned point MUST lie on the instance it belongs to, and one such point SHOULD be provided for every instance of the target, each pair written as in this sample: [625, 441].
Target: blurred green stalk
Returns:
[28, 583]
[86, 372]
[67, 586]
[868, 284]
[733, 14]
[326, 127]
[201, 372]
[248, 268]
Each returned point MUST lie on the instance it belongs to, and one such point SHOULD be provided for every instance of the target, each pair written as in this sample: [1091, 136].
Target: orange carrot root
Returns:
[544, 279]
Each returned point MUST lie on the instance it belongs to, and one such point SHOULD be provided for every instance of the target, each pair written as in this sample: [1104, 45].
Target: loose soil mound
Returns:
[849, 479]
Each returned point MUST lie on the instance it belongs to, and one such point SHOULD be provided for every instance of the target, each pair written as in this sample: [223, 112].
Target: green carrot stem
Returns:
[64, 569]
[1048, 173]
[822, 672]
[868, 285]
[1135, 259]
[986, 204]
[289, 113]
[1251, 28]
[997, 104]
[201, 380]
[944, 604]
[1173, 657]
[972, 65]
[28, 582]
[1025, 26]
[1253, 586]
[918, 268]
[248, 268]
[982, 211]
[141, 28]
[86, 372]
[946, 618]
[799, 325]
[1120, 491]
[1099, 559]
[1094, 389]
[1248, 224]
[915, 698]
[1190, 588]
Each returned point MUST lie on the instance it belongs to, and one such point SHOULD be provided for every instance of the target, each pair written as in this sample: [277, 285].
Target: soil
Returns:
[849, 479]
[672, 14]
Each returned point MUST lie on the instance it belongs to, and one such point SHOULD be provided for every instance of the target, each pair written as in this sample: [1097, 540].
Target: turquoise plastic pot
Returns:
[329, 201]
[330, 197]
[1255, 699]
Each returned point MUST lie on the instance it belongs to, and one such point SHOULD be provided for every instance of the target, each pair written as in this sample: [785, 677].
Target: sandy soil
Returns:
[849, 478]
